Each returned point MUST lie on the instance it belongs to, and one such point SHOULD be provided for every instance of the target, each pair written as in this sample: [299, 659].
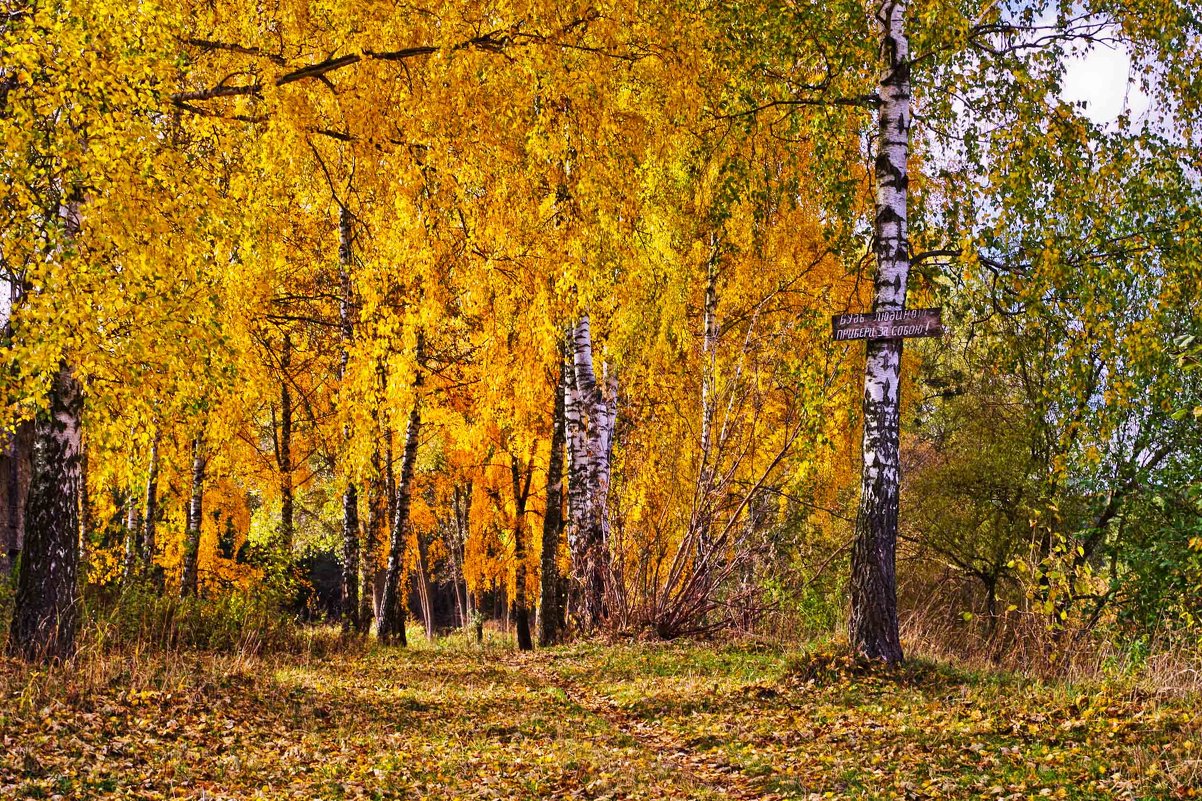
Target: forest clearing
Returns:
[629, 721]
[607, 399]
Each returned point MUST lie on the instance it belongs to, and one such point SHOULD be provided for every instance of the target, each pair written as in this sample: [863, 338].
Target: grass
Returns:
[682, 720]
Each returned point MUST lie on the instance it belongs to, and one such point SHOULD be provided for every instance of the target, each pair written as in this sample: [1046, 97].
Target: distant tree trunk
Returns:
[151, 509]
[422, 578]
[15, 475]
[521, 604]
[133, 534]
[84, 501]
[390, 625]
[461, 506]
[390, 507]
[706, 494]
[874, 623]
[16, 460]
[550, 614]
[46, 610]
[284, 449]
[189, 582]
[591, 442]
[352, 620]
[478, 616]
[709, 345]
[377, 523]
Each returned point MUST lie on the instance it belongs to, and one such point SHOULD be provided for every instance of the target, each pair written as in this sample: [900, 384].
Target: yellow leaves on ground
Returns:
[640, 721]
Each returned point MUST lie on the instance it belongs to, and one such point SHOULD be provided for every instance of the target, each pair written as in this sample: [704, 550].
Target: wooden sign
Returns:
[888, 324]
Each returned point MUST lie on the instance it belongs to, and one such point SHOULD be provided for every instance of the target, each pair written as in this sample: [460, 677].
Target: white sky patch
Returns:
[1102, 78]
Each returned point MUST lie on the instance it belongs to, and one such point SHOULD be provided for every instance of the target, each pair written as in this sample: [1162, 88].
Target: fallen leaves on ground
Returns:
[591, 721]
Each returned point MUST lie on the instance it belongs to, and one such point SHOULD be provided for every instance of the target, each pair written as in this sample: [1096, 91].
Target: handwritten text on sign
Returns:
[888, 324]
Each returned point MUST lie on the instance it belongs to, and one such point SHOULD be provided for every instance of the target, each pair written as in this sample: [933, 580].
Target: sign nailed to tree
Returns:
[888, 324]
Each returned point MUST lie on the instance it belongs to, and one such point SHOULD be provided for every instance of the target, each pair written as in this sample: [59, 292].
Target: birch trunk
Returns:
[377, 521]
[133, 535]
[874, 624]
[461, 503]
[390, 625]
[16, 462]
[578, 480]
[189, 581]
[46, 606]
[284, 450]
[352, 619]
[45, 616]
[592, 441]
[423, 587]
[702, 524]
[521, 604]
[709, 343]
[550, 610]
[151, 508]
[380, 569]
[85, 506]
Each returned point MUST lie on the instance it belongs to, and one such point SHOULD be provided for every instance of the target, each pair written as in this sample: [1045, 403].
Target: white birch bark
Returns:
[576, 437]
[709, 343]
[390, 625]
[190, 577]
[46, 608]
[590, 451]
[133, 532]
[151, 506]
[874, 624]
[352, 620]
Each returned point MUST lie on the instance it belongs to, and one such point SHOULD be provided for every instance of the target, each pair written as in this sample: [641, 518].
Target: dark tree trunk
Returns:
[461, 506]
[352, 619]
[284, 449]
[874, 623]
[151, 511]
[521, 605]
[16, 461]
[189, 581]
[46, 610]
[381, 568]
[550, 614]
[350, 560]
[17, 473]
[423, 586]
[374, 539]
[390, 625]
[478, 617]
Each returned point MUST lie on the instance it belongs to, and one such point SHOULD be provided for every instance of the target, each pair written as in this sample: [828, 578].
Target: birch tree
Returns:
[390, 622]
[590, 418]
[351, 610]
[550, 607]
[874, 622]
[190, 569]
[150, 509]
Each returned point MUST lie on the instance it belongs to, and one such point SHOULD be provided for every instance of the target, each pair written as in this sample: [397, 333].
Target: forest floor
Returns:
[589, 721]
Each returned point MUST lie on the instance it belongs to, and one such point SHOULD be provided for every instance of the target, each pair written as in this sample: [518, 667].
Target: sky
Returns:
[1101, 77]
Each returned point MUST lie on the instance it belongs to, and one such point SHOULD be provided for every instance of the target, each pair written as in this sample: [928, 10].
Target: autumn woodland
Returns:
[574, 399]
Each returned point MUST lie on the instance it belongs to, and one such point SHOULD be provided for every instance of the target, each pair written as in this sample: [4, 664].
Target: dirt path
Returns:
[702, 769]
